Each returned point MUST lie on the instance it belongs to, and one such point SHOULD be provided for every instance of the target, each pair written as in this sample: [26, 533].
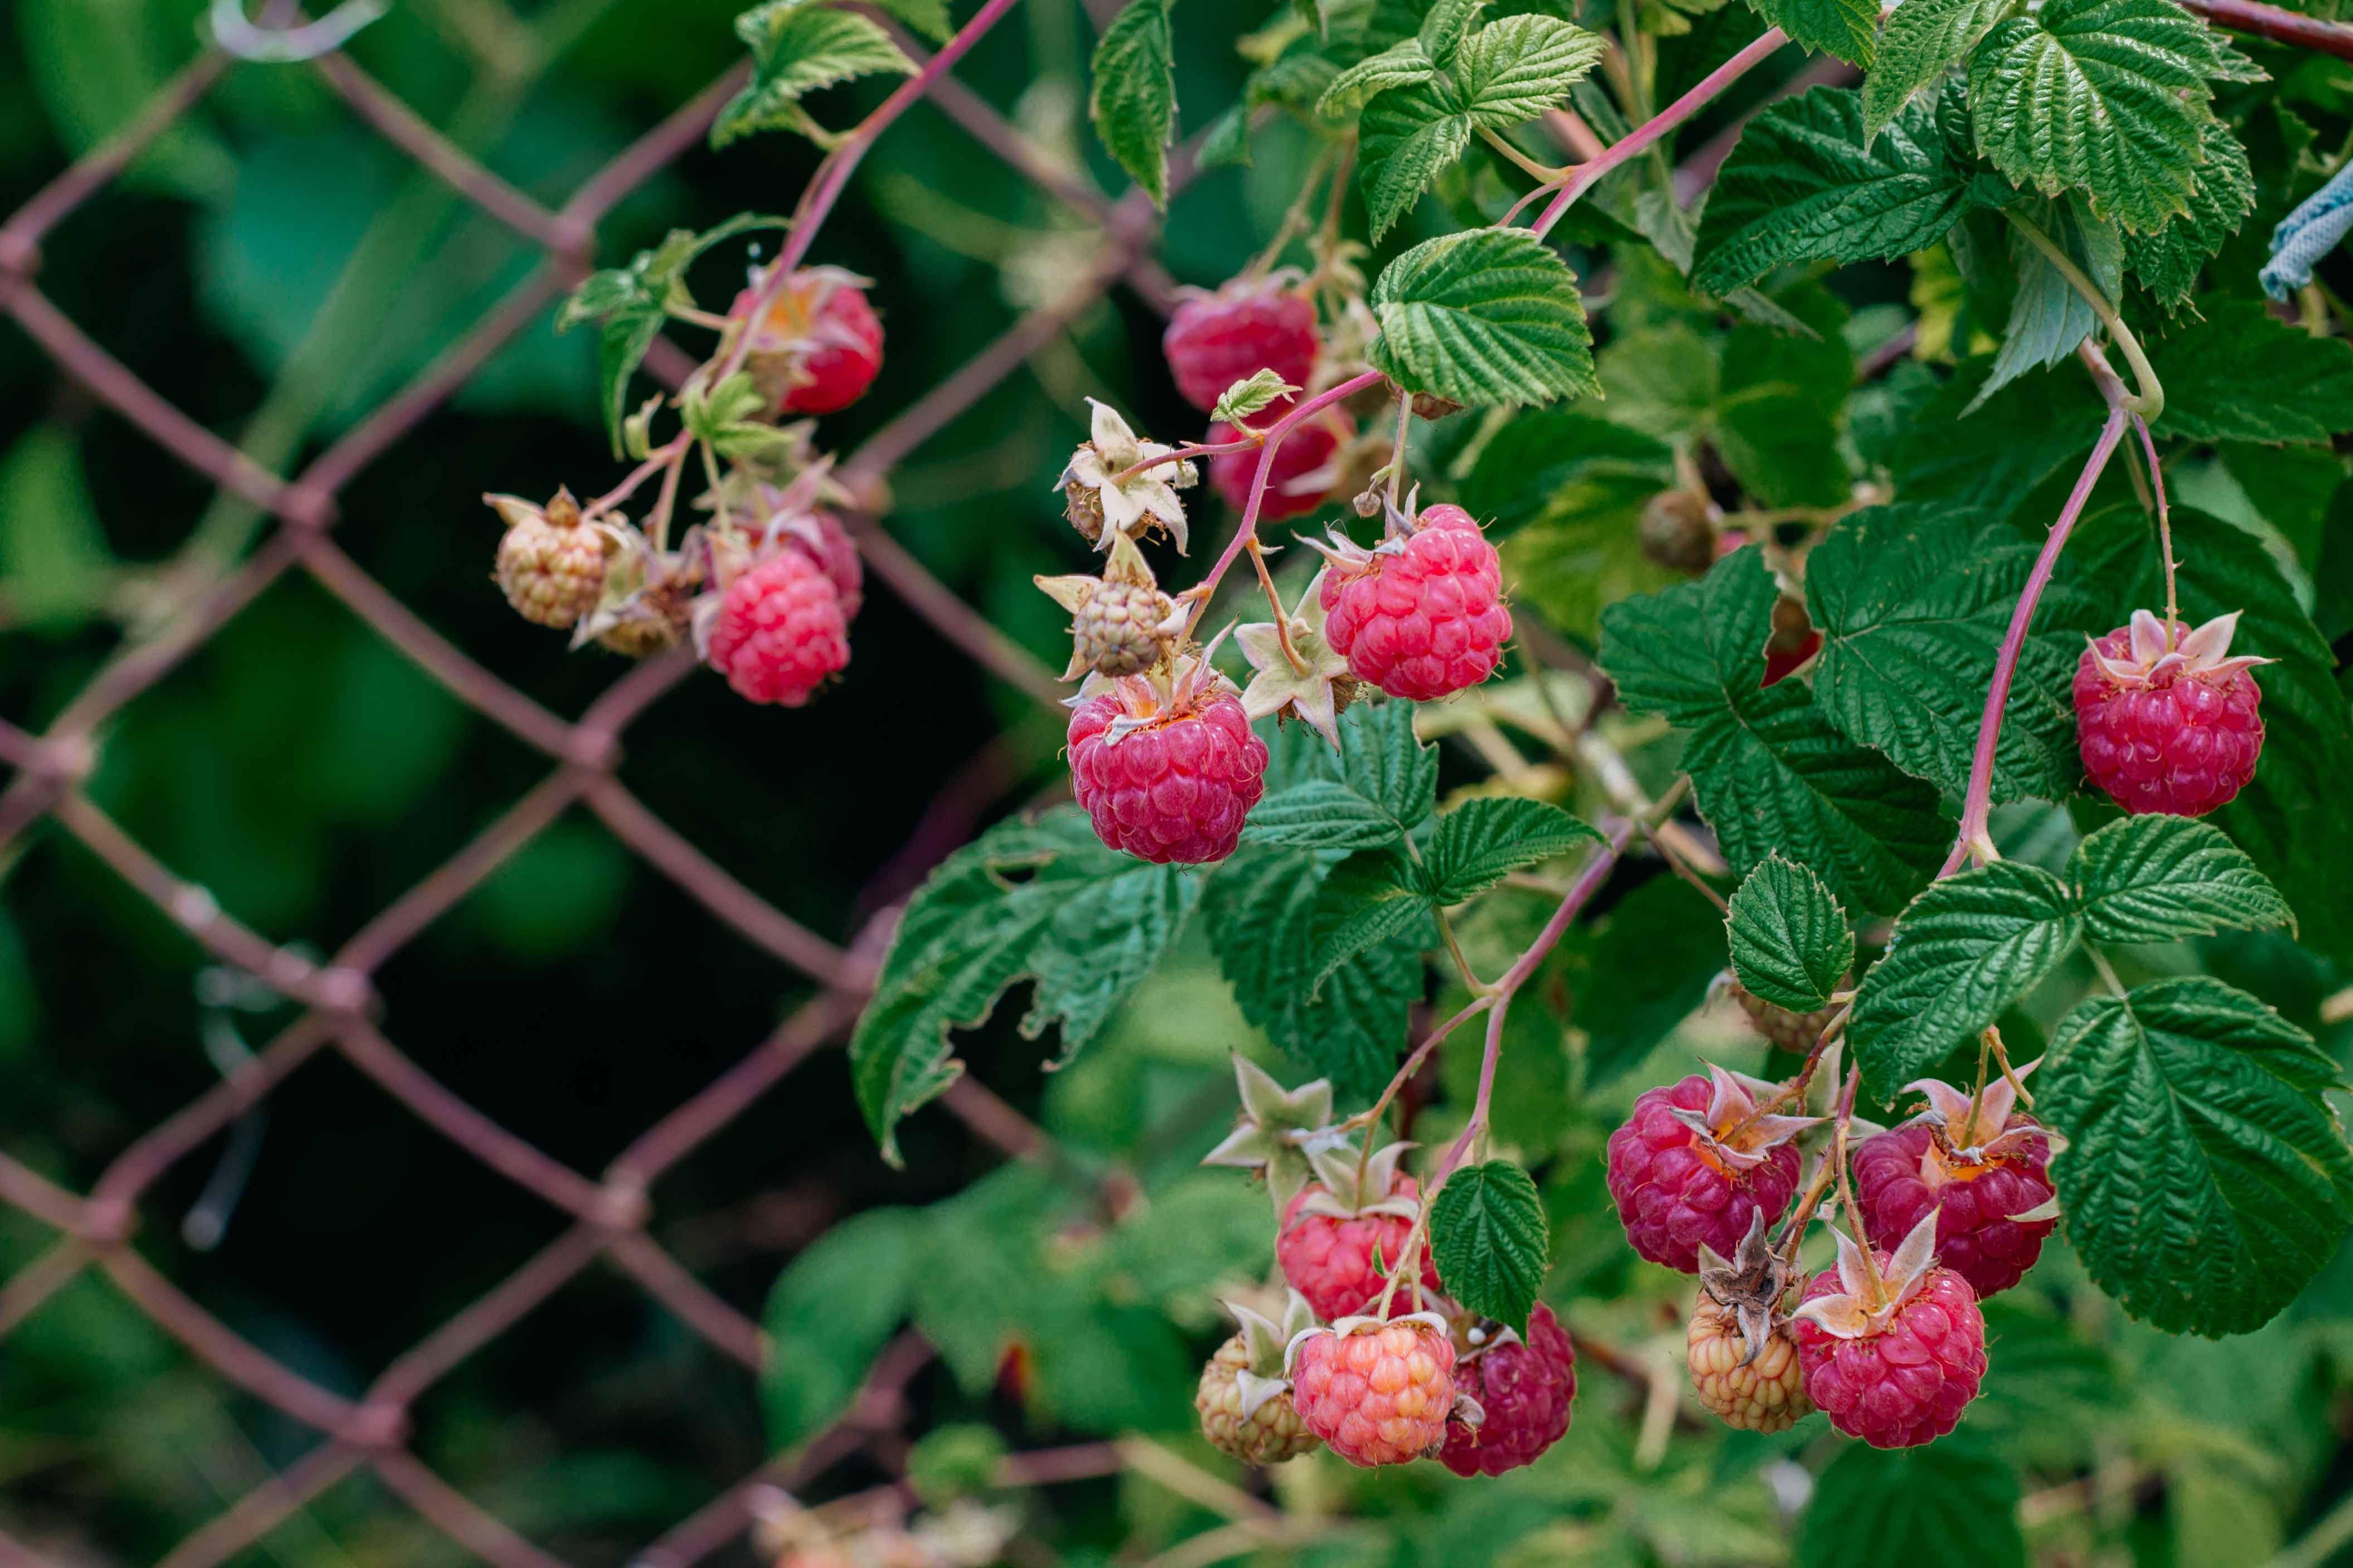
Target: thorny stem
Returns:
[2164, 528]
[1248, 532]
[1976, 804]
[1586, 175]
[2150, 401]
[833, 175]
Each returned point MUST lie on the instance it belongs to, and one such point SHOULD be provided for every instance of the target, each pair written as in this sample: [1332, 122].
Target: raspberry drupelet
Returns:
[779, 632]
[1420, 614]
[1378, 1393]
[1980, 1170]
[1895, 1361]
[2171, 729]
[1696, 1163]
[1523, 1388]
[1166, 776]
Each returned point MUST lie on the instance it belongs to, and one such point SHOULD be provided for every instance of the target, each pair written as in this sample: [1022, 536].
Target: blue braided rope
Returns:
[2307, 233]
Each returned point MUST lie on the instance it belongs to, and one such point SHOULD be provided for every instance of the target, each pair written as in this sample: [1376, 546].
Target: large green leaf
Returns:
[2168, 262]
[1373, 897]
[1085, 922]
[1788, 937]
[1487, 317]
[798, 47]
[2245, 375]
[2160, 879]
[1768, 770]
[1260, 913]
[1920, 41]
[1805, 183]
[1134, 101]
[1994, 456]
[1409, 135]
[2292, 818]
[2206, 1182]
[1481, 840]
[2107, 97]
[1488, 1237]
[1913, 603]
[1910, 1505]
[2048, 316]
[1967, 948]
[1515, 68]
[1847, 29]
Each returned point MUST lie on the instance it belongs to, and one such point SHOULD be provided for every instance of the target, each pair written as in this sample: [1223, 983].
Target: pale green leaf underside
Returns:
[1484, 318]
[1489, 1240]
[2206, 1182]
[799, 47]
[1788, 937]
[1134, 101]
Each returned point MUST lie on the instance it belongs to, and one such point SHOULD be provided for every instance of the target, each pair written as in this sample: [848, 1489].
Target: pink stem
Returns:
[833, 175]
[1589, 173]
[1979, 802]
[2164, 527]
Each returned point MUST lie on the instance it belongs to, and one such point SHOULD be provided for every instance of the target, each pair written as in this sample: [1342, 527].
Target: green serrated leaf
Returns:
[2048, 317]
[1996, 455]
[1485, 318]
[1444, 24]
[1805, 183]
[1321, 814]
[2246, 376]
[1768, 769]
[1134, 102]
[1087, 923]
[1791, 945]
[1400, 65]
[2107, 97]
[2161, 879]
[1372, 897]
[1489, 1240]
[1913, 603]
[1908, 1505]
[1481, 840]
[1922, 40]
[2168, 262]
[1847, 29]
[2206, 1182]
[1260, 910]
[1514, 69]
[829, 1314]
[928, 17]
[1248, 395]
[2291, 818]
[798, 47]
[1963, 950]
[1408, 136]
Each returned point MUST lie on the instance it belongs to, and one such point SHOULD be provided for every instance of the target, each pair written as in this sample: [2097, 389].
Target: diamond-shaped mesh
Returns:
[609, 1211]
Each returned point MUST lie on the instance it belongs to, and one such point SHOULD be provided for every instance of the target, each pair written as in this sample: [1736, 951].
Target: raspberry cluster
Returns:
[1422, 615]
[1169, 784]
[1523, 1387]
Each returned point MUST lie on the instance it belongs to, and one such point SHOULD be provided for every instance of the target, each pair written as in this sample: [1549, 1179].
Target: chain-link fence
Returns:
[608, 1211]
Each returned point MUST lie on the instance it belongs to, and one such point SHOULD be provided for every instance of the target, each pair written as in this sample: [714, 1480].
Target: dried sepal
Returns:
[1857, 1308]
[1307, 680]
[1131, 505]
[1750, 1285]
[1732, 1129]
[1990, 1130]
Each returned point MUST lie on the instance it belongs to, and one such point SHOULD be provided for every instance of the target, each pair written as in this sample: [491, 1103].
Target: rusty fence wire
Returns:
[609, 1211]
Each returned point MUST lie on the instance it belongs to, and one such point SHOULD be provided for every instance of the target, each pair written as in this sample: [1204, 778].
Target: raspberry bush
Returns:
[1765, 857]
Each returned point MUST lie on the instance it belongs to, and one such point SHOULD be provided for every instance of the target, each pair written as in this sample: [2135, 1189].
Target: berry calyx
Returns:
[1523, 1387]
[777, 632]
[1696, 1163]
[1380, 1393]
[1244, 1397]
[1301, 476]
[1981, 1171]
[1892, 1360]
[1340, 1235]
[1166, 772]
[551, 565]
[1421, 614]
[819, 347]
[1249, 325]
[1275, 1124]
[2168, 724]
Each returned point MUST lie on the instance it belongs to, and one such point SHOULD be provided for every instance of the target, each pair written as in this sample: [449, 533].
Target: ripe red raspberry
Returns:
[1766, 1393]
[1300, 475]
[551, 565]
[1421, 615]
[1897, 1365]
[1250, 325]
[1332, 1227]
[1379, 1393]
[2174, 729]
[1244, 1399]
[1695, 1164]
[820, 346]
[779, 631]
[820, 536]
[1523, 1388]
[1167, 781]
[1984, 1171]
